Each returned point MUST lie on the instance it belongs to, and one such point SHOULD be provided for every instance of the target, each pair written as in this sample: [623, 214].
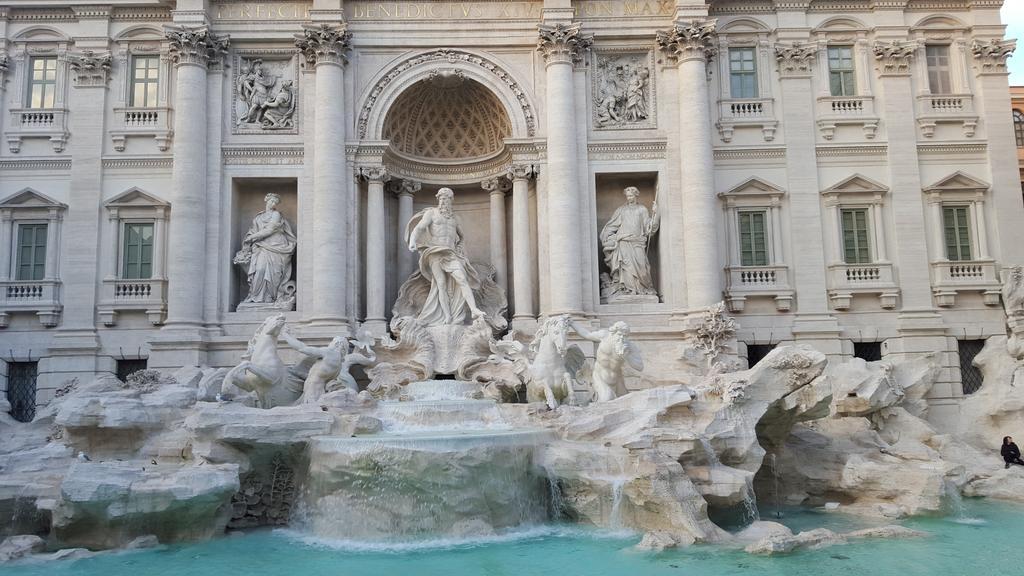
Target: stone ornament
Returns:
[521, 172]
[327, 368]
[714, 332]
[262, 371]
[447, 287]
[555, 364]
[375, 173]
[795, 60]
[1013, 305]
[324, 43]
[266, 257]
[195, 45]
[623, 91]
[894, 57]
[625, 240]
[993, 54]
[688, 40]
[264, 94]
[563, 42]
[614, 353]
[90, 68]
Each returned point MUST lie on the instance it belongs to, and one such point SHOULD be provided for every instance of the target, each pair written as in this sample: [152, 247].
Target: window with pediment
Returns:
[30, 227]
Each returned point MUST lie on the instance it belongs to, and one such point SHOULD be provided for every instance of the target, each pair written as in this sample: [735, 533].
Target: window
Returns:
[742, 73]
[42, 87]
[1018, 127]
[868, 351]
[137, 251]
[31, 257]
[840, 71]
[127, 367]
[938, 69]
[21, 389]
[856, 247]
[145, 77]
[753, 238]
[957, 232]
[970, 376]
[757, 352]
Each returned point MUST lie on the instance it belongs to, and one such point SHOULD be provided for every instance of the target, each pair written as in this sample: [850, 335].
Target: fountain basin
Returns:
[392, 487]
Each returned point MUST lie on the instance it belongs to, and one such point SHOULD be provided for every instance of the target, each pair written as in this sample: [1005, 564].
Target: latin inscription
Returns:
[377, 11]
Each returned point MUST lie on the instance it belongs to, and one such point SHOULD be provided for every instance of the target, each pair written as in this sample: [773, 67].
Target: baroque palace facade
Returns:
[840, 172]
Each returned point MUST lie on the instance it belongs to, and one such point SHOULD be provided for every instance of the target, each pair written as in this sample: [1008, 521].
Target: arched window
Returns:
[1018, 127]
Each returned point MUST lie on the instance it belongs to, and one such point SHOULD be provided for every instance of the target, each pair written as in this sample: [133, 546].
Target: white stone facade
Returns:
[539, 114]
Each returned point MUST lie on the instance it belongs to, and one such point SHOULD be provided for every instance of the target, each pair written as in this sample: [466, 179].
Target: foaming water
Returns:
[521, 534]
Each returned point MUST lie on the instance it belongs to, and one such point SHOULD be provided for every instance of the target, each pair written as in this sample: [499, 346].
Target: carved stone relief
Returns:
[264, 92]
[623, 90]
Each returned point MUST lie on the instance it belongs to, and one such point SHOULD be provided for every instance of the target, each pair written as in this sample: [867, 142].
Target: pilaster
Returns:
[523, 313]
[376, 248]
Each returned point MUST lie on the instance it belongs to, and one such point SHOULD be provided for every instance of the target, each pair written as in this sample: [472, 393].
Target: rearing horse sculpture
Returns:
[262, 370]
[555, 363]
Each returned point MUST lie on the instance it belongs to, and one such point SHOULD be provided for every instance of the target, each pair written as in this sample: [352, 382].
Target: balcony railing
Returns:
[758, 281]
[145, 295]
[834, 111]
[933, 109]
[137, 121]
[845, 280]
[48, 123]
[39, 296]
[950, 277]
[755, 112]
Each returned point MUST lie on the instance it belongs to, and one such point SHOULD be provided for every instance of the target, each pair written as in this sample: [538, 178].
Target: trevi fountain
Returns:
[576, 288]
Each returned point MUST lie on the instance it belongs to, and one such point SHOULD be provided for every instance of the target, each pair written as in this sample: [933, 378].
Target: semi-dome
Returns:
[447, 117]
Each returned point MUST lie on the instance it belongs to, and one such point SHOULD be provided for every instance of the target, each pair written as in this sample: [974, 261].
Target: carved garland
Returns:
[452, 56]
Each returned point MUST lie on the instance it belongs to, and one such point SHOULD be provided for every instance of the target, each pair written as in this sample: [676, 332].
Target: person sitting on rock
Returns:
[1010, 452]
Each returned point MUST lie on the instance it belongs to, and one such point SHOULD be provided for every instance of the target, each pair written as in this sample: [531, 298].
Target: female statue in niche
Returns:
[266, 255]
[624, 240]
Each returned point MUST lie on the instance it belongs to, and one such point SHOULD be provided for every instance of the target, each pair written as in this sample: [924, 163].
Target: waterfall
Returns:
[750, 501]
[774, 463]
[709, 451]
[615, 518]
[956, 505]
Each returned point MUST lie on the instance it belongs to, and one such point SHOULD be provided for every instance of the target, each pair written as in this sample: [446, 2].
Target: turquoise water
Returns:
[989, 544]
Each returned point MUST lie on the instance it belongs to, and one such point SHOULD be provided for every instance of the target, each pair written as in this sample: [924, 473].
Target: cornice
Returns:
[626, 150]
[725, 154]
[42, 15]
[48, 164]
[142, 163]
[140, 14]
[850, 151]
[241, 155]
[952, 148]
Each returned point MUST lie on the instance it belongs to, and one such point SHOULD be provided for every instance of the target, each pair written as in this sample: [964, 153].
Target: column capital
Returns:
[5, 65]
[324, 43]
[991, 56]
[796, 60]
[90, 69]
[495, 185]
[195, 45]
[521, 172]
[373, 173]
[689, 39]
[894, 57]
[563, 43]
[405, 187]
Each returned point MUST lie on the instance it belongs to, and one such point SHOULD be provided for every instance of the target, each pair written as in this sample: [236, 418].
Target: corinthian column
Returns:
[406, 191]
[324, 47]
[499, 253]
[690, 43]
[563, 45]
[522, 244]
[376, 247]
[192, 49]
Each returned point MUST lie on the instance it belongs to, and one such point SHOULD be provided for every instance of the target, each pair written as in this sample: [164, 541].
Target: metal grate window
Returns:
[970, 376]
[21, 389]
[757, 352]
[126, 367]
[869, 351]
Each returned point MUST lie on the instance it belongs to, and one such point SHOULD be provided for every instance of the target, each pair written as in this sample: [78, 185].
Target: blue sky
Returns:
[1013, 17]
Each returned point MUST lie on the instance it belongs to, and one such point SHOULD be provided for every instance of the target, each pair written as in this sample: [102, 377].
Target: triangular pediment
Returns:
[857, 184]
[134, 197]
[754, 187]
[29, 198]
[958, 181]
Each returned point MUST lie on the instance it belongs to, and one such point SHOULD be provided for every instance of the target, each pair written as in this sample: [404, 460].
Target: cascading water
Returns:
[774, 463]
[445, 464]
[956, 505]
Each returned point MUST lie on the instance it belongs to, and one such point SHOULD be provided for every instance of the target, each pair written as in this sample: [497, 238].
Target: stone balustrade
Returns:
[145, 295]
[750, 281]
[951, 277]
[834, 111]
[48, 123]
[845, 280]
[39, 296]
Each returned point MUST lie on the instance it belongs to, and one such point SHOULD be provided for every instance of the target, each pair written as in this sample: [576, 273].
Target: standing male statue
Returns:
[435, 233]
[624, 240]
[614, 351]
